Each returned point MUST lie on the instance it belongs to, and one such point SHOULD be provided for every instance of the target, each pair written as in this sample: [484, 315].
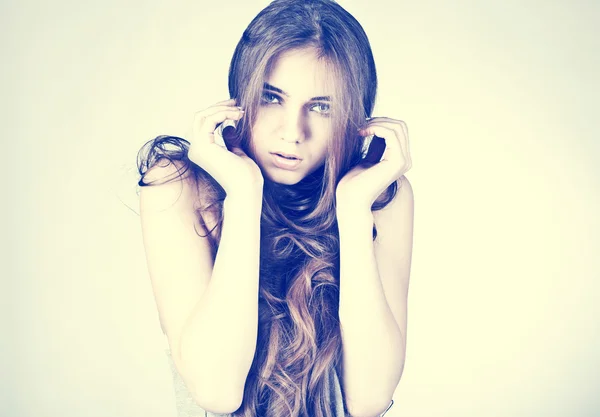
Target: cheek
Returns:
[260, 127]
[264, 123]
[268, 114]
[321, 148]
[325, 134]
[321, 126]
[327, 140]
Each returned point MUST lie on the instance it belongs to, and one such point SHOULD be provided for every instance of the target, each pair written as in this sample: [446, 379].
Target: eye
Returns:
[270, 98]
[322, 108]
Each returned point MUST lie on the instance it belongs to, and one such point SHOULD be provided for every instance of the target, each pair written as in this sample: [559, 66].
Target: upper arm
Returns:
[393, 250]
[179, 260]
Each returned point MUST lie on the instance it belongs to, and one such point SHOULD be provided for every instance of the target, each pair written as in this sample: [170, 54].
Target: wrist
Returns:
[247, 201]
[353, 214]
[252, 193]
[351, 207]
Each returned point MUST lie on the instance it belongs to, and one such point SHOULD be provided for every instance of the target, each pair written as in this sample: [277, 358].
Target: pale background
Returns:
[501, 99]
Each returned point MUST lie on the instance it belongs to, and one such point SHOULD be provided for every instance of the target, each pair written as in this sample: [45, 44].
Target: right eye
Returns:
[270, 98]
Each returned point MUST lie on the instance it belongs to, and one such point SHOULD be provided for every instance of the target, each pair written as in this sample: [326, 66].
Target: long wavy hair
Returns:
[299, 344]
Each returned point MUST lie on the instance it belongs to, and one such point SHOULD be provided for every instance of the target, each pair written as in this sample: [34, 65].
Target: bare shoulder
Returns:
[171, 185]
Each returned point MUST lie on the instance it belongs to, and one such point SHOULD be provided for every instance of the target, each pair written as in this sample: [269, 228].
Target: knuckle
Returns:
[199, 118]
[404, 127]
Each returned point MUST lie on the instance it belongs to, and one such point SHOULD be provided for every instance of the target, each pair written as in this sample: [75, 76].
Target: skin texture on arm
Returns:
[374, 279]
[209, 312]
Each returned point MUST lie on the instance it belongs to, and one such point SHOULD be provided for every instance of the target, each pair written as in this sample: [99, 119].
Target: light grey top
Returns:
[187, 407]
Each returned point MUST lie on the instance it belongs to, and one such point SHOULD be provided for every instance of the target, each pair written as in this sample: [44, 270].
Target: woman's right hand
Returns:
[235, 171]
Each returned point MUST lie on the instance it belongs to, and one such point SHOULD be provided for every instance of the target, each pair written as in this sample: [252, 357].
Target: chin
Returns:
[289, 178]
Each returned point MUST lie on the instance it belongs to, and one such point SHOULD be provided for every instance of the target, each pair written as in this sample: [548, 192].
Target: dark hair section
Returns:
[299, 342]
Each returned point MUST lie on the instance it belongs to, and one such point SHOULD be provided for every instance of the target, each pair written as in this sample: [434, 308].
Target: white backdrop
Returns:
[501, 99]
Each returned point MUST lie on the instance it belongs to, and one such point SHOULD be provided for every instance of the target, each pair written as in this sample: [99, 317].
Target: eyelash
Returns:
[268, 99]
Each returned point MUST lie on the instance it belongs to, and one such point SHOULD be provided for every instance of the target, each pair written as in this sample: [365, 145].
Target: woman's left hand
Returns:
[361, 186]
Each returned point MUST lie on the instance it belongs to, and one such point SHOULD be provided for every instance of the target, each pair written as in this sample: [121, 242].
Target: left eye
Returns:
[270, 98]
[321, 107]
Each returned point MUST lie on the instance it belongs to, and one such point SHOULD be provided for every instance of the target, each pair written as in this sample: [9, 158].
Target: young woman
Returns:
[280, 263]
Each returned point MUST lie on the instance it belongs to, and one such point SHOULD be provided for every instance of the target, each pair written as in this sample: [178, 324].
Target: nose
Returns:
[293, 127]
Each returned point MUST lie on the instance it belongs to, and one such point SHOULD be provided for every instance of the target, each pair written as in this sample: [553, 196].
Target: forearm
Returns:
[372, 341]
[219, 339]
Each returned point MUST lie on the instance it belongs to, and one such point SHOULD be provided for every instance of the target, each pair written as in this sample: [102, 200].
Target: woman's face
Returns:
[293, 118]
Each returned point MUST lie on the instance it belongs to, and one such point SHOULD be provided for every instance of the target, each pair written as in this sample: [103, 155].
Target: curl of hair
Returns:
[174, 150]
[299, 341]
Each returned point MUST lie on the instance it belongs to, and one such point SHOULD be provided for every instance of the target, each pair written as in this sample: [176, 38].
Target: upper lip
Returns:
[289, 155]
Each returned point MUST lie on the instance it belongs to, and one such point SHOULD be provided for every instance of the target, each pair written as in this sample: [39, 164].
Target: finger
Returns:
[215, 109]
[229, 103]
[396, 125]
[407, 143]
[404, 140]
[230, 100]
[404, 127]
[385, 120]
[389, 135]
[399, 127]
[393, 152]
[388, 132]
[389, 122]
[205, 126]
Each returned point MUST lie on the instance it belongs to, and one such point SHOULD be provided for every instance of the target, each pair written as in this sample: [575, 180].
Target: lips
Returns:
[285, 161]
[287, 155]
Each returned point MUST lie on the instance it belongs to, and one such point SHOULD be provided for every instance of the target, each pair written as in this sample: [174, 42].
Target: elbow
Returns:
[213, 391]
[217, 401]
[368, 408]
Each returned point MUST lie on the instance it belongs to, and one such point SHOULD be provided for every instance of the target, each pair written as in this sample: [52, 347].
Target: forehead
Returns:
[301, 74]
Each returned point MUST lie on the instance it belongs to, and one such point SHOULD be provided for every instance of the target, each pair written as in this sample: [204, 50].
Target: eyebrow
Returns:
[270, 87]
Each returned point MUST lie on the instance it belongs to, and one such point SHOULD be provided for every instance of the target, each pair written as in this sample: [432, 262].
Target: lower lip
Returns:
[283, 163]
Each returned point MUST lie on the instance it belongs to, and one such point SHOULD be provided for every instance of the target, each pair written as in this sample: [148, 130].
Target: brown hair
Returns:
[299, 341]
